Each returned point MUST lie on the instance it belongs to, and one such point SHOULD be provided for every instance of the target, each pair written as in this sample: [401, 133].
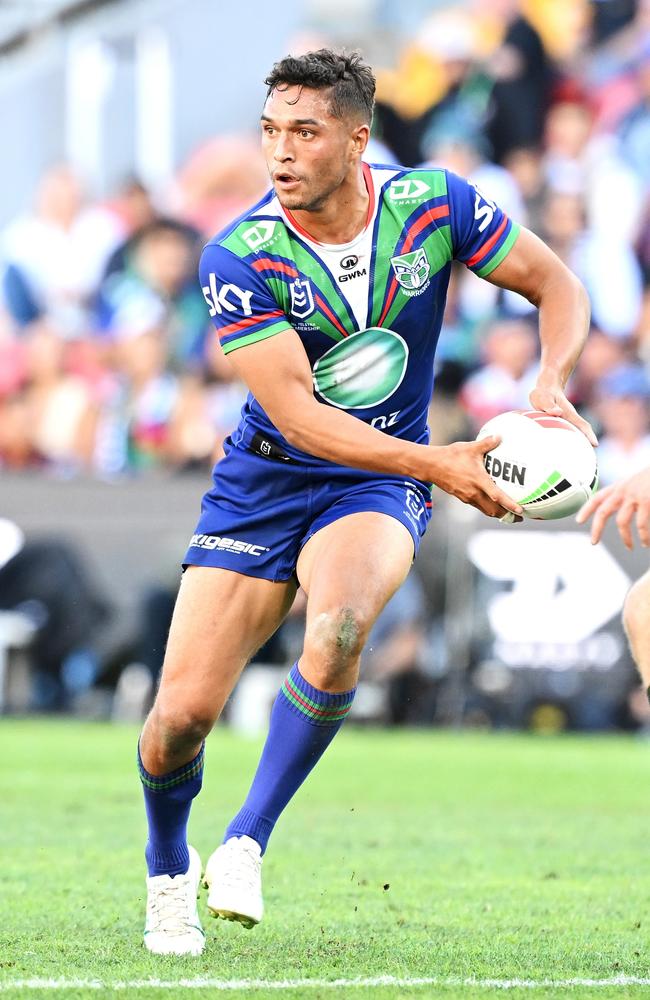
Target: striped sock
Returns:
[167, 800]
[304, 721]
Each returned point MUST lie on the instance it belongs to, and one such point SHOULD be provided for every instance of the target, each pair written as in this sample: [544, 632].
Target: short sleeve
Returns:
[240, 303]
[482, 235]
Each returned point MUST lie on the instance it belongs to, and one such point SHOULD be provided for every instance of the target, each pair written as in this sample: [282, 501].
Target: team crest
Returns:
[302, 298]
[412, 270]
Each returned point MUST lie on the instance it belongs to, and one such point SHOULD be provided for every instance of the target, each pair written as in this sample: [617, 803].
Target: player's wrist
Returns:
[551, 376]
[425, 461]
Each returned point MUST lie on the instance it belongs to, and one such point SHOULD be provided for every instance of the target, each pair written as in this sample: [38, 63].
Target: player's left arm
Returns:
[534, 271]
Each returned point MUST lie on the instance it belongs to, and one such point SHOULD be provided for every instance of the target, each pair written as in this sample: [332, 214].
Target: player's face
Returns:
[309, 153]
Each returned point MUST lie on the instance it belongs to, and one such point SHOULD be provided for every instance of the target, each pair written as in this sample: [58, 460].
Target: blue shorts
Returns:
[261, 511]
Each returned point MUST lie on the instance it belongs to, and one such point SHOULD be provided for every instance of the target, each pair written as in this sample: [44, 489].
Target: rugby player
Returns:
[630, 501]
[328, 298]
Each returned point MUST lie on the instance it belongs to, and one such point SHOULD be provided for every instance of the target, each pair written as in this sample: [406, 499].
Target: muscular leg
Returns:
[220, 619]
[349, 569]
[636, 619]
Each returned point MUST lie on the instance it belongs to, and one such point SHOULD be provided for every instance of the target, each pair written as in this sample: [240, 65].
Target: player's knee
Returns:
[178, 724]
[636, 609]
[337, 637]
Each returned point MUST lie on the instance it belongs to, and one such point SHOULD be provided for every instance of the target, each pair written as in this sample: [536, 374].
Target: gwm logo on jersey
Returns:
[302, 298]
[362, 370]
[412, 271]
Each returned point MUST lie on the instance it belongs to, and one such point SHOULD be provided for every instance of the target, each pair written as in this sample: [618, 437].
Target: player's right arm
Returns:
[629, 500]
[279, 376]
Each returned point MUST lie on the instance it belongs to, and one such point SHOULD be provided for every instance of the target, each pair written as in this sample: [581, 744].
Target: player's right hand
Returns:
[460, 472]
[629, 499]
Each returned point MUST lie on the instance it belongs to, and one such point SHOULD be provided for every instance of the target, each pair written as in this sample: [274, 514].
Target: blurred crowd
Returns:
[107, 362]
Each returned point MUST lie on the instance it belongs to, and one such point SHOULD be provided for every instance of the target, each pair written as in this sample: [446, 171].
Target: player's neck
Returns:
[346, 213]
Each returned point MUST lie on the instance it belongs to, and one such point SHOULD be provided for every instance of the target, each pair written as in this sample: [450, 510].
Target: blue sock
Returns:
[304, 721]
[167, 800]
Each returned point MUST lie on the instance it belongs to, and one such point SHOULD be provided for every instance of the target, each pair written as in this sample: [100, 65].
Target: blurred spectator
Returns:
[635, 127]
[53, 258]
[135, 209]
[437, 89]
[133, 427]
[526, 168]
[522, 79]
[509, 373]
[623, 405]
[584, 164]
[601, 354]
[159, 288]
[605, 263]
[60, 407]
[222, 178]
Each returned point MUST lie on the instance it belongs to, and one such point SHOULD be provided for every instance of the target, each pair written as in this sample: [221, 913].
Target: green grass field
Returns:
[408, 854]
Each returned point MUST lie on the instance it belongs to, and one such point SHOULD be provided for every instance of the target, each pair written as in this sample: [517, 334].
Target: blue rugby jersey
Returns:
[368, 312]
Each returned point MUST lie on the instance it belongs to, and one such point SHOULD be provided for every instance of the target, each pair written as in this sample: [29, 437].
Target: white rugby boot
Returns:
[233, 875]
[172, 925]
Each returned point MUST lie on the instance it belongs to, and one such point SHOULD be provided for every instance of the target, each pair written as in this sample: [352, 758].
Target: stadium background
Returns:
[131, 136]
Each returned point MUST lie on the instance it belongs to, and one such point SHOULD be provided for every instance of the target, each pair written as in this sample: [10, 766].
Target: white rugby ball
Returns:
[544, 463]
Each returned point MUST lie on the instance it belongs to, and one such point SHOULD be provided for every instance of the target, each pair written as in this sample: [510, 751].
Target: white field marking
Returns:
[295, 984]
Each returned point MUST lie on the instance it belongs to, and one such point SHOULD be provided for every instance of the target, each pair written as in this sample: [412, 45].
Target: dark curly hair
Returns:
[345, 74]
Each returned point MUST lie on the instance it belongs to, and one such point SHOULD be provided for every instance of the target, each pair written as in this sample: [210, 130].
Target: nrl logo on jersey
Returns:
[302, 298]
[259, 235]
[412, 271]
[407, 189]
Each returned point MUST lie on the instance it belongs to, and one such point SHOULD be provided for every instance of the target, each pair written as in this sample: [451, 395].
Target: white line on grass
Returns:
[296, 984]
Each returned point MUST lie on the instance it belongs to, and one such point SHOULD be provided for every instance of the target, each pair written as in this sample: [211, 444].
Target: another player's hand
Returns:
[629, 500]
[459, 471]
[548, 395]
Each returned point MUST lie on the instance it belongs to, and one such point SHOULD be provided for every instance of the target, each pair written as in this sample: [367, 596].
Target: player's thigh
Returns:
[220, 619]
[350, 569]
[636, 611]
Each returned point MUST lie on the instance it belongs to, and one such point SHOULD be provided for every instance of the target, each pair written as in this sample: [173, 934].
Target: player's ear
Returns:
[360, 136]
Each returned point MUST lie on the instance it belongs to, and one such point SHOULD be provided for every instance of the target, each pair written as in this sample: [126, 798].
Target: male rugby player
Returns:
[630, 501]
[328, 298]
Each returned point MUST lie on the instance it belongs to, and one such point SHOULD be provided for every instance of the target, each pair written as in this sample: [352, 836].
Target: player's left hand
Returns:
[551, 399]
[630, 501]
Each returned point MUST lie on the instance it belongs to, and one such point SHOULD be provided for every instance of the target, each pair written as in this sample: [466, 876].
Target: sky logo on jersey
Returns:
[409, 188]
[412, 270]
[257, 236]
[302, 298]
[363, 370]
[229, 297]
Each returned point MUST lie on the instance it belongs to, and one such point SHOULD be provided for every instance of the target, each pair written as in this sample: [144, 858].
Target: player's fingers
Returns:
[592, 505]
[487, 443]
[556, 404]
[501, 500]
[604, 512]
[643, 523]
[624, 523]
[570, 413]
[510, 518]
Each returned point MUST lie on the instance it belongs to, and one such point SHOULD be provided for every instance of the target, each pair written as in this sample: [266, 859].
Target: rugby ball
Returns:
[544, 463]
